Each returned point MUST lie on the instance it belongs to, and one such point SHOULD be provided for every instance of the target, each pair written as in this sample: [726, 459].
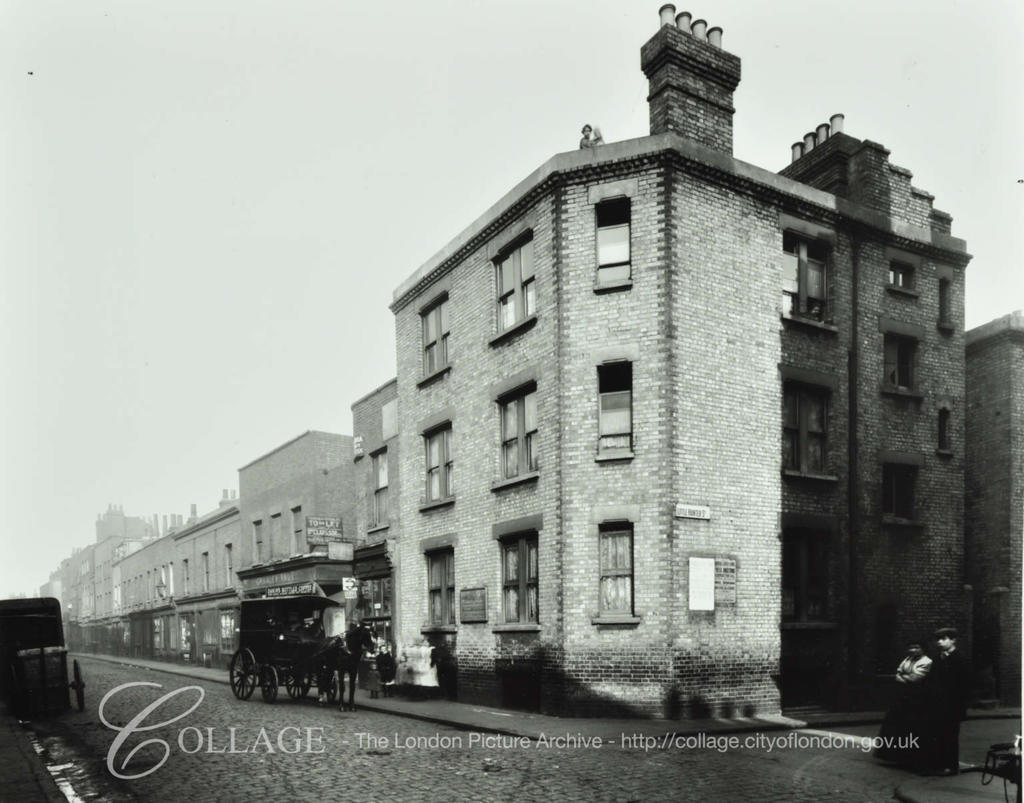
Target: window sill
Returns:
[810, 323]
[429, 379]
[611, 620]
[944, 452]
[501, 485]
[437, 504]
[809, 475]
[613, 455]
[946, 327]
[897, 522]
[377, 528]
[901, 393]
[902, 291]
[520, 326]
[439, 629]
[808, 626]
[612, 287]
[517, 627]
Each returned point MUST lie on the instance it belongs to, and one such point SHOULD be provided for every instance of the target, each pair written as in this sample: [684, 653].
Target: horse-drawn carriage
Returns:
[284, 640]
[33, 659]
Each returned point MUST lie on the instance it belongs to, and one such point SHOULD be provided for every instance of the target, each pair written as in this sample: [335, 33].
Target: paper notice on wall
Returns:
[702, 584]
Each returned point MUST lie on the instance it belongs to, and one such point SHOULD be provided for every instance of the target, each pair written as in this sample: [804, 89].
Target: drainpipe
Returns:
[853, 472]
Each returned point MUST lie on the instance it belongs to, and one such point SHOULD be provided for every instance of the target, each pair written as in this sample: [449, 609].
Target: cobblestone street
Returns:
[297, 750]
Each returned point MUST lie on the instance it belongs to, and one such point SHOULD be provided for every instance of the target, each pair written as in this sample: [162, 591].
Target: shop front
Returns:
[373, 568]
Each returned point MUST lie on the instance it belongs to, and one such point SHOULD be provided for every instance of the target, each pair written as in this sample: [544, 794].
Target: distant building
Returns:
[680, 435]
[995, 499]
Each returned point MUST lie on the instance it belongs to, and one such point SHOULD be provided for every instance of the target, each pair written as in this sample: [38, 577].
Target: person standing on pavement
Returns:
[902, 730]
[358, 639]
[947, 687]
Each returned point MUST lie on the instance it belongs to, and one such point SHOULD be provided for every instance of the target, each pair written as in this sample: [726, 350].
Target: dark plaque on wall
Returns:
[473, 605]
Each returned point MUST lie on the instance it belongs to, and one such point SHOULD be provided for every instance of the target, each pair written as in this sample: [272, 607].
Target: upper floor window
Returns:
[943, 444]
[615, 388]
[517, 286]
[616, 566]
[805, 426]
[257, 541]
[519, 435]
[298, 547]
[380, 488]
[519, 578]
[900, 359]
[945, 316]
[613, 262]
[901, 275]
[804, 575]
[186, 579]
[898, 487]
[440, 474]
[804, 275]
[435, 337]
[441, 586]
[229, 567]
[206, 571]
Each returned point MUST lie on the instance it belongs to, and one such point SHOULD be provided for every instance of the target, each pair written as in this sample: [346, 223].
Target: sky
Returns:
[205, 206]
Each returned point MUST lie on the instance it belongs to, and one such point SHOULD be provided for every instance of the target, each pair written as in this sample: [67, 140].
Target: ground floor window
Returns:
[519, 579]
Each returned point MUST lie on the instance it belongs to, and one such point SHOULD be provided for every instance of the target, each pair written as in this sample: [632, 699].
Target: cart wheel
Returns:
[297, 685]
[332, 690]
[78, 685]
[243, 674]
[268, 683]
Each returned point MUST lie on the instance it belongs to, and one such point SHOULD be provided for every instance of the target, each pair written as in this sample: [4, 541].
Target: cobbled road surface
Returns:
[296, 750]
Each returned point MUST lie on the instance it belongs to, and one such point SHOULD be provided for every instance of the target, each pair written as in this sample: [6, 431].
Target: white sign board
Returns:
[702, 584]
[693, 512]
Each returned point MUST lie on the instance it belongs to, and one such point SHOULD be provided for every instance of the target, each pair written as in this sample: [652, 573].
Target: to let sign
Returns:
[323, 529]
[473, 605]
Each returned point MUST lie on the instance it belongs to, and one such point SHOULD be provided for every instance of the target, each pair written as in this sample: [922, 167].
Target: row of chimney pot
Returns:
[817, 137]
[698, 28]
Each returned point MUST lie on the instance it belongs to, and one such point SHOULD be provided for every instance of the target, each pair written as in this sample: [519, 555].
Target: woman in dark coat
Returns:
[903, 731]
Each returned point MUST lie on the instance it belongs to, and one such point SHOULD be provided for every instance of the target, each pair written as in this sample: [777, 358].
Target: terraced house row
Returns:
[670, 433]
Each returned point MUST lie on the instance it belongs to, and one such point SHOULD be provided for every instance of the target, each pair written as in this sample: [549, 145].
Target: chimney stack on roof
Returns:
[691, 80]
[820, 135]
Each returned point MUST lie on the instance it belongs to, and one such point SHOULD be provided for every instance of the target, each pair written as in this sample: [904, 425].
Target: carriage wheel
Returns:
[297, 684]
[243, 674]
[332, 689]
[78, 685]
[268, 683]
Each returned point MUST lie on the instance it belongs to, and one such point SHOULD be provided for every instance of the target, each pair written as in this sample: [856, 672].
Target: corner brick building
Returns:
[677, 432]
[995, 499]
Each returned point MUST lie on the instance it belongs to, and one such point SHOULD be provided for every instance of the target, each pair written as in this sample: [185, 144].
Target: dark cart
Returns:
[282, 642]
[33, 659]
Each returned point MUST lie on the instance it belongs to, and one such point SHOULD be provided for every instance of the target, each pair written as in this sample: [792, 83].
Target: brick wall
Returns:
[995, 499]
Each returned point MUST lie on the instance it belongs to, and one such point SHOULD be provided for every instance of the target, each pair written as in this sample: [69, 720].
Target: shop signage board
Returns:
[323, 529]
[292, 589]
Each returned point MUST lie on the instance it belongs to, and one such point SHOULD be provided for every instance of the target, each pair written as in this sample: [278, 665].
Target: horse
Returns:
[334, 656]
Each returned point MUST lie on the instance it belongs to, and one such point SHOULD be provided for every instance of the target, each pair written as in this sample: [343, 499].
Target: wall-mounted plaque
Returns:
[473, 605]
[725, 581]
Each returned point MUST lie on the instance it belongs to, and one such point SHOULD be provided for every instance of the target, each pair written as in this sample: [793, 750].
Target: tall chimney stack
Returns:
[691, 83]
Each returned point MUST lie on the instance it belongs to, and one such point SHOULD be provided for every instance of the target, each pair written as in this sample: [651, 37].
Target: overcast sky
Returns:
[206, 205]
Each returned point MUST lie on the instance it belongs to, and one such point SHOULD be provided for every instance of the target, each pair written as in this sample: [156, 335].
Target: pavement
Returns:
[26, 777]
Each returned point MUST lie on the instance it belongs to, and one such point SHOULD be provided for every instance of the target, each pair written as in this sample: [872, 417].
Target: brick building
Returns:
[376, 516]
[295, 504]
[995, 499]
[706, 420]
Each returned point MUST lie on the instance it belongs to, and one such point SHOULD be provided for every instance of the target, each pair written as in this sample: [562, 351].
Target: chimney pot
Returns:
[798, 150]
[715, 37]
[836, 121]
[224, 494]
[683, 19]
[667, 13]
[822, 133]
[809, 142]
[700, 29]
[193, 510]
